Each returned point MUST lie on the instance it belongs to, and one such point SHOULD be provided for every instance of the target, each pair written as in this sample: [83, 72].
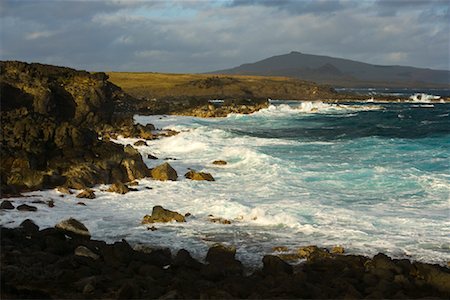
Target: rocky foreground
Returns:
[63, 262]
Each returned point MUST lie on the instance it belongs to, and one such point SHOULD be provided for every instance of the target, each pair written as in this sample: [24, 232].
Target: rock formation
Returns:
[49, 117]
[162, 215]
[164, 172]
[194, 175]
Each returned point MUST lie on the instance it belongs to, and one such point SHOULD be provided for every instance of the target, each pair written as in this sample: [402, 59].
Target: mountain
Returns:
[342, 72]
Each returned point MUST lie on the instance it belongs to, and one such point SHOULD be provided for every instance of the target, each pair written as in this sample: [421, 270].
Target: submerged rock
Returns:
[74, 228]
[162, 215]
[193, 175]
[220, 220]
[164, 172]
[219, 162]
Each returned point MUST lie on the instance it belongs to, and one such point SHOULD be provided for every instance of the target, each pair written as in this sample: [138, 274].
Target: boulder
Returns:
[119, 188]
[274, 265]
[220, 253]
[6, 204]
[162, 215]
[25, 207]
[29, 226]
[184, 259]
[221, 263]
[219, 162]
[164, 172]
[88, 193]
[193, 175]
[73, 228]
[86, 252]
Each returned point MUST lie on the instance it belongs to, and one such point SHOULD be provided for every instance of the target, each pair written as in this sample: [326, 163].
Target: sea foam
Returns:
[370, 194]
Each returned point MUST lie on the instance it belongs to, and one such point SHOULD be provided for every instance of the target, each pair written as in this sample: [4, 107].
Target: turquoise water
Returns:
[371, 177]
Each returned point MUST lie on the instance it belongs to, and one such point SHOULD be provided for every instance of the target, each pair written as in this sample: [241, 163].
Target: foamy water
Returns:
[355, 175]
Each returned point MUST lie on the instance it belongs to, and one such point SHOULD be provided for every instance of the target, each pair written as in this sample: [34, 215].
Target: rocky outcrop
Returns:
[194, 175]
[48, 130]
[162, 215]
[164, 172]
[73, 227]
[219, 162]
[46, 264]
[208, 110]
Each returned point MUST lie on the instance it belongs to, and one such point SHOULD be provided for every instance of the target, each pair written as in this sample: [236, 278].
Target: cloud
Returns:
[39, 34]
[198, 36]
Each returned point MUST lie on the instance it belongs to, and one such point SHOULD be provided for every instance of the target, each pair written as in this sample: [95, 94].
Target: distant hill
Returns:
[341, 72]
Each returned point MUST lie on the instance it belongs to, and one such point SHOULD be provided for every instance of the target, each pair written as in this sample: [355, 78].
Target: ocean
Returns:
[371, 177]
[402, 92]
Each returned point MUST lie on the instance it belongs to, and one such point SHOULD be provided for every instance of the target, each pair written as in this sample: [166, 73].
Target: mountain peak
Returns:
[341, 72]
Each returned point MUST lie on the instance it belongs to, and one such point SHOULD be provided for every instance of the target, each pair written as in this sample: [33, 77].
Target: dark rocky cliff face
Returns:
[48, 119]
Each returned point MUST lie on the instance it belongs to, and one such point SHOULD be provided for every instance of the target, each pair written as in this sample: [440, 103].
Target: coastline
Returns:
[378, 277]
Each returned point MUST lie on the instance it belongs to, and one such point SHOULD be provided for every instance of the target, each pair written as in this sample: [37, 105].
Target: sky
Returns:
[182, 36]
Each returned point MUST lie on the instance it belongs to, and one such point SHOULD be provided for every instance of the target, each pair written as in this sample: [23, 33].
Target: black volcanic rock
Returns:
[48, 120]
[46, 265]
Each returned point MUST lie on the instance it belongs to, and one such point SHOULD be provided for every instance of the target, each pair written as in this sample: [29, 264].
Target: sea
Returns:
[370, 177]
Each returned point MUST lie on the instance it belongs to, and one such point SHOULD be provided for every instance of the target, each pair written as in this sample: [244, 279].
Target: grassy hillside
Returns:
[201, 86]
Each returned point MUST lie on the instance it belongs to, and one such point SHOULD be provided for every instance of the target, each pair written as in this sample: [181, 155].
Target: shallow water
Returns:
[370, 177]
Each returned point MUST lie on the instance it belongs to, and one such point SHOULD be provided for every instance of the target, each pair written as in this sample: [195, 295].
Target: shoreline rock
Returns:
[78, 268]
[164, 172]
[51, 117]
[162, 215]
[194, 175]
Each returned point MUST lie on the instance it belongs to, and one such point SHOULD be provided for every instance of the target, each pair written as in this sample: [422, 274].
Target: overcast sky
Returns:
[198, 36]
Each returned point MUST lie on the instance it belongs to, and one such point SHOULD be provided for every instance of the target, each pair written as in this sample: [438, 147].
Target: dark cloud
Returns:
[297, 6]
[197, 36]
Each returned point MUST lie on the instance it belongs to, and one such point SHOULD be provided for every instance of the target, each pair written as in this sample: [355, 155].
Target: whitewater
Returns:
[371, 177]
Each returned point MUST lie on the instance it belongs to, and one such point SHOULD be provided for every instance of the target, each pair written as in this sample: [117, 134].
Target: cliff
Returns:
[48, 119]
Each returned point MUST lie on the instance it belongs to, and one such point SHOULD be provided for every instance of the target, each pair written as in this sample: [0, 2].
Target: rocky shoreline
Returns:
[63, 262]
[56, 130]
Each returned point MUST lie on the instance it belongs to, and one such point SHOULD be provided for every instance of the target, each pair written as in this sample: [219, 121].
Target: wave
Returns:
[362, 193]
[424, 98]
[311, 107]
